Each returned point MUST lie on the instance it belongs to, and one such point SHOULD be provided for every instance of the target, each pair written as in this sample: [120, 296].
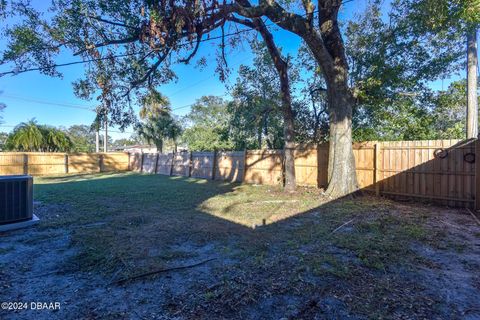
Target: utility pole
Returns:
[472, 63]
[105, 137]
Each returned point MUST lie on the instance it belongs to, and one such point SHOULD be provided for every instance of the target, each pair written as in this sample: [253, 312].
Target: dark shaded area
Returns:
[355, 258]
[447, 179]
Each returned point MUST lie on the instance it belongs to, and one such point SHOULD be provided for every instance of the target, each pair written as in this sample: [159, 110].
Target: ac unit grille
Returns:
[16, 199]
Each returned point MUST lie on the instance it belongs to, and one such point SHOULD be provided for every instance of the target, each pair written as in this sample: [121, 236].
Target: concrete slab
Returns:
[19, 225]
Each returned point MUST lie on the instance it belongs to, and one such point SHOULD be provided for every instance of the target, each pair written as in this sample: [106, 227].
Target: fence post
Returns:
[141, 162]
[477, 174]
[66, 162]
[25, 163]
[173, 160]
[190, 164]
[244, 165]
[376, 171]
[156, 162]
[214, 160]
[100, 163]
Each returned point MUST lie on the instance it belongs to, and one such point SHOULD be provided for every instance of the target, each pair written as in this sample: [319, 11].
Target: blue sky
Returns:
[32, 95]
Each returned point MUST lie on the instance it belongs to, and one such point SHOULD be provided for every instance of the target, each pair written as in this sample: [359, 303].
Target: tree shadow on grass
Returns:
[348, 257]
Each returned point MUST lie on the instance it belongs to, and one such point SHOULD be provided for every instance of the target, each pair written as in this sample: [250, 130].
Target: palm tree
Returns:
[158, 123]
[27, 136]
[154, 104]
[156, 129]
[174, 131]
[56, 140]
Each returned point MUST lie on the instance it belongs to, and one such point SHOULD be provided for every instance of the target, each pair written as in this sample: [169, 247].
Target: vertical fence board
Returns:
[264, 167]
[202, 164]
[115, 161]
[149, 162]
[181, 164]
[11, 163]
[230, 166]
[306, 166]
[52, 163]
[164, 164]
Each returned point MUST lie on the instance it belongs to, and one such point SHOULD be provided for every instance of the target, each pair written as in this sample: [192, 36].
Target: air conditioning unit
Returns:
[16, 200]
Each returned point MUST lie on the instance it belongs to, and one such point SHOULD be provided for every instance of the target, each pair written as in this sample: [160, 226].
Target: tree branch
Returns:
[223, 44]
[152, 69]
[111, 22]
[330, 31]
[130, 39]
[244, 22]
[192, 54]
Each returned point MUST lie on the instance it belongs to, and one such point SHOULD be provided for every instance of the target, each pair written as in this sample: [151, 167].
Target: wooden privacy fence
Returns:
[438, 170]
[52, 163]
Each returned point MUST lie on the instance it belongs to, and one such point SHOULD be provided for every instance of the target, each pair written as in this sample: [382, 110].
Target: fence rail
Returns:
[439, 170]
[51, 163]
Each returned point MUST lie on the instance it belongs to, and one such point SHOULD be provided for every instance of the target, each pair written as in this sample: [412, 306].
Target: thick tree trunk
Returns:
[326, 44]
[342, 177]
[289, 134]
[472, 64]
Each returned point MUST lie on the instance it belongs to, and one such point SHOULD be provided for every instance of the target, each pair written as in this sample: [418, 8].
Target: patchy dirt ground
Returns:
[348, 259]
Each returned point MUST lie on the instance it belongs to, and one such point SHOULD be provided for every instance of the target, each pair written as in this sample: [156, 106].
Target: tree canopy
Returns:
[207, 125]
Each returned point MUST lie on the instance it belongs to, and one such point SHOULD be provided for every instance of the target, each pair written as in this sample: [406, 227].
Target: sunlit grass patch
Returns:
[253, 206]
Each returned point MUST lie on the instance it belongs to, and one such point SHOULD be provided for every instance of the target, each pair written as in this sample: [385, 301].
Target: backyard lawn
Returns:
[221, 250]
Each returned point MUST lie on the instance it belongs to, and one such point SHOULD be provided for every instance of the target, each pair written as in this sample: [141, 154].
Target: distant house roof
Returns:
[139, 148]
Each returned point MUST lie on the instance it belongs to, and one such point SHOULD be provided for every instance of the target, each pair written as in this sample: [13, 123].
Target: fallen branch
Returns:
[275, 201]
[343, 225]
[449, 224]
[474, 216]
[160, 271]
[39, 275]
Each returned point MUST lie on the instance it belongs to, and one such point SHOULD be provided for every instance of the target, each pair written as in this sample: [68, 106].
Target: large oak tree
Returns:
[141, 39]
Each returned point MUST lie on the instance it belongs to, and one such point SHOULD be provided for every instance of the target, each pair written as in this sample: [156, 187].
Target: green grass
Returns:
[111, 216]
[6, 249]
[93, 197]
[129, 223]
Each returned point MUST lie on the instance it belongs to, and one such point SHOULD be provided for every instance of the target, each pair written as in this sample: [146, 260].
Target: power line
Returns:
[191, 104]
[58, 104]
[204, 79]
[15, 72]
[116, 131]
